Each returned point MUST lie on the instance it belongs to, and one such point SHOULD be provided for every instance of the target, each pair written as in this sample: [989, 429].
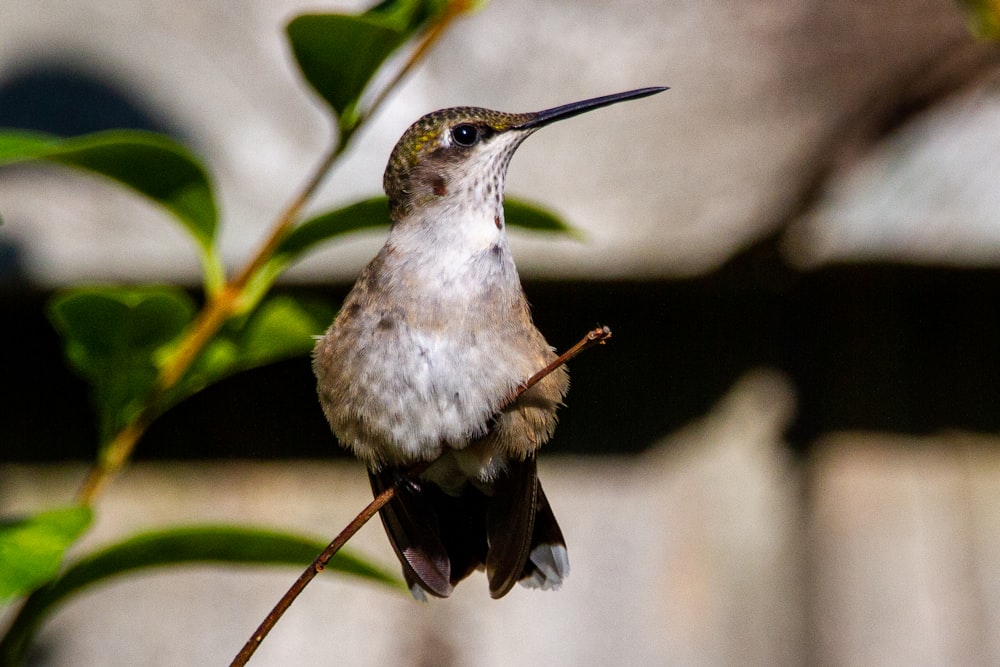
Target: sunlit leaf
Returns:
[149, 163]
[280, 328]
[367, 214]
[221, 545]
[207, 544]
[525, 215]
[31, 549]
[20, 145]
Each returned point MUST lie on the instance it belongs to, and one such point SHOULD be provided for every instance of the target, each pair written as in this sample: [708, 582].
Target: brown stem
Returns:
[597, 336]
[309, 574]
[288, 218]
[112, 459]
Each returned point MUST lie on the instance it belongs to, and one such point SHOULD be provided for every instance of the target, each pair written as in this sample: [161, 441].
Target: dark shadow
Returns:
[64, 100]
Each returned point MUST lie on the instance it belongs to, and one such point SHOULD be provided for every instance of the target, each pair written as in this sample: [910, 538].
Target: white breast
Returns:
[432, 365]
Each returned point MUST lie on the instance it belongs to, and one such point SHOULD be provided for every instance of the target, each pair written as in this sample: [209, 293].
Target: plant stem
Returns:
[289, 217]
[309, 574]
[112, 458]
[598, 336]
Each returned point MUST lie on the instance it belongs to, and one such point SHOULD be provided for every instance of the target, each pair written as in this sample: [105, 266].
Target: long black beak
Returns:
[542, 118]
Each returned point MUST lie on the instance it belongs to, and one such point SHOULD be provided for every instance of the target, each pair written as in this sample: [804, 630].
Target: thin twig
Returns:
[309, 574]
[289, 216]
[597, 336]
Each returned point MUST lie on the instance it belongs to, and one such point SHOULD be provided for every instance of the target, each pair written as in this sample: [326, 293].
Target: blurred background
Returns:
[787, 454]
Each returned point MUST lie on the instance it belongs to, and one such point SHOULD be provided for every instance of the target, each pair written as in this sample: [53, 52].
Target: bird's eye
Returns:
[465, 134]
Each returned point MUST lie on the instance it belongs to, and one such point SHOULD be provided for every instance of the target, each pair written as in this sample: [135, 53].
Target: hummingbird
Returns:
[427, 347]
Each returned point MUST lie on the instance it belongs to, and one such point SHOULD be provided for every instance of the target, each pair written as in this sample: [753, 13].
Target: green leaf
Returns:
[32, 549]
[18, 145]
[224, 545]
[339, 54]
[526, 215]
[151, 164]
[280, 328]
[363, 215]
[983, 18]
[206, 544]
[112, 337]
[367, 214]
